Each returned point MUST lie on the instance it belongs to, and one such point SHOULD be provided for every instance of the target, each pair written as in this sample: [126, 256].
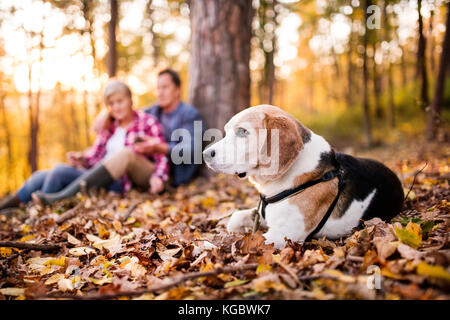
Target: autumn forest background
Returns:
[356, 83]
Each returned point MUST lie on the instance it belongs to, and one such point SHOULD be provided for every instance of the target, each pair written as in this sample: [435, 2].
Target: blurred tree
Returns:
[219, 74]
[266, 15]
[387, 61]
[112, 48]
[436, 106]
[366, 107]
[421, 67]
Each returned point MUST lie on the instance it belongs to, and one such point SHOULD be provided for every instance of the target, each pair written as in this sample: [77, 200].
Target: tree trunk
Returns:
[390, 82]
[219, 74]
[435, 109]
[350, 92]
[32, 148]
[403, 67]
[421, 71]
[112, 51]
[376, 78]
[7, 131]
[267, 84]
[432, 44]
[366, 107]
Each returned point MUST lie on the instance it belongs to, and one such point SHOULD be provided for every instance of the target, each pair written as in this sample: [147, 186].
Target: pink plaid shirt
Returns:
[143, 125]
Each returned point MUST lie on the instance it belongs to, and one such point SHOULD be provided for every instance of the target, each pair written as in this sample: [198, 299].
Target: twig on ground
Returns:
[68, 214]
[31, 246]
[129, 211]
[289, 271]
[162, 287]
[9, 211]
[355, 258]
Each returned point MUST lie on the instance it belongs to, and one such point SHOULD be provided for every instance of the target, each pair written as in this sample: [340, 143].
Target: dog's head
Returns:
[261, 141]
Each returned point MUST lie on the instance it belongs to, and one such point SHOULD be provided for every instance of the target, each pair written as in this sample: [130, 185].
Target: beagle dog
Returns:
[307, 189]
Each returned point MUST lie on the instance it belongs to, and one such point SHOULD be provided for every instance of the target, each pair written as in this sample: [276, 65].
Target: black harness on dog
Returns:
[337, 173]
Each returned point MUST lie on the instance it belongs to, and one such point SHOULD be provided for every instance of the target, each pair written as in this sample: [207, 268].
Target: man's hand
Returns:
[75, 158]
[102, 122]
[156, 185]
[150, 145]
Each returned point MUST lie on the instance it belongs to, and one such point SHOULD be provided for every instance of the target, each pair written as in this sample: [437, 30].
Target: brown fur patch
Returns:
[314, 202]
[289, 139]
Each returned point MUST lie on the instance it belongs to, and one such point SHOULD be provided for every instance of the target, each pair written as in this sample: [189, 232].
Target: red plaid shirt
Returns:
[143, 125]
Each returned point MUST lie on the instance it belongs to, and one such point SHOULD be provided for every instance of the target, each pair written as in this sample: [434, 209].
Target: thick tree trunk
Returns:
[219, 74]
[366, 107]
[421, 71]
[436, 105]
[112, 51]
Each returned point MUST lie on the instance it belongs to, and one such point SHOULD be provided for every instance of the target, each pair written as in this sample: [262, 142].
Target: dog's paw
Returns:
[277, 240]
[241, 221]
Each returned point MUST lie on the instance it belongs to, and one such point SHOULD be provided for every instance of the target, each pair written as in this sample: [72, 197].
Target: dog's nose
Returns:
[209, 154]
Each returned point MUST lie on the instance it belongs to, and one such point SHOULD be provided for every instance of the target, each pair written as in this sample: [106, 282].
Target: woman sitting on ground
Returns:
[111, 163]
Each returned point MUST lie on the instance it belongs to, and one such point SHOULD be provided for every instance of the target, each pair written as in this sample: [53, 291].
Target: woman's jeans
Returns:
[54, 180]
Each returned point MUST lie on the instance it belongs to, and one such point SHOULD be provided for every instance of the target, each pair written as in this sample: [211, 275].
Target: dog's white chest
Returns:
[284, 220]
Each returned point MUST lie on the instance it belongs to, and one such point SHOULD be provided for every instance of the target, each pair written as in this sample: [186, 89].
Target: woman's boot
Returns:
[10, 202]
[98, 177]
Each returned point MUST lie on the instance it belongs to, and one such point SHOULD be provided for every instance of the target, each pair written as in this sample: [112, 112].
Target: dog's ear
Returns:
[290, 140]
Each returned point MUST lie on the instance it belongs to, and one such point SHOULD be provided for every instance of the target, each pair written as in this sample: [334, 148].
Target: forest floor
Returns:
[175, 246]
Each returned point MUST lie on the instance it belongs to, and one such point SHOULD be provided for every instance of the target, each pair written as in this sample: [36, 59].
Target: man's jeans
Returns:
[54, 180]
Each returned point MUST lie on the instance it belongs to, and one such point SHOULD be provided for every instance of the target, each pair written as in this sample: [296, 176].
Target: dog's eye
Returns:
[241, 132]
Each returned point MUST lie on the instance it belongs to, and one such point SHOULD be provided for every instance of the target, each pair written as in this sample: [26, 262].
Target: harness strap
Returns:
[264, 201]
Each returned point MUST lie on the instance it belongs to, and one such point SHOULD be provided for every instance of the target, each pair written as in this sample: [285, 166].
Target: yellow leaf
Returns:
[5, 252]
[208, 202]
[12, 291]
[26, 238]
[100, 282]
[117, 225]
[263, 268]
[425, 269]
[385, 272]
[54, 279]
[411, 235]
[24, 228]
[414, 228]
[61, 261]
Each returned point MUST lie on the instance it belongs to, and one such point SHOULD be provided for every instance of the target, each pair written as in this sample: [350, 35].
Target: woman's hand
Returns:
[75, 158]
[156, 185]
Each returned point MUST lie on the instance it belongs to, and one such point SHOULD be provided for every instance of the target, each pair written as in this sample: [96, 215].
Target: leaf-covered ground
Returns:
[176, 247]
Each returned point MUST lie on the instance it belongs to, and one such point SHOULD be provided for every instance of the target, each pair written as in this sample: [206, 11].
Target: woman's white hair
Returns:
[114, 86]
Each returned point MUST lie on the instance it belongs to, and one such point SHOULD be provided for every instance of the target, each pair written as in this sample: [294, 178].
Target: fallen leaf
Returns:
[15, 292]
[425, 269]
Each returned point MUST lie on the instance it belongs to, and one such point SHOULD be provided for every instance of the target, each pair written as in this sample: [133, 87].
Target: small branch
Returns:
[289, 271]
[8, 211]
[162, 287]
[355, 258]
[31, 246]
[68, 214]
[129, 211]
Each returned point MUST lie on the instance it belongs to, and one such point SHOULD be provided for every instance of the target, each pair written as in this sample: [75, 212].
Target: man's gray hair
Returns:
[114, 86]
